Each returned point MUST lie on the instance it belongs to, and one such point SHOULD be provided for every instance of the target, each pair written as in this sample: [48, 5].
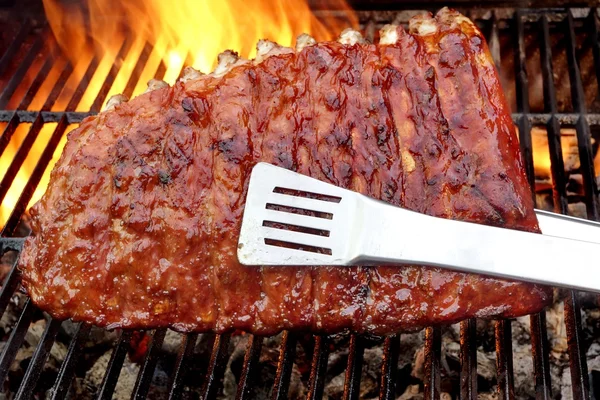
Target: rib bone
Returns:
[115, 101]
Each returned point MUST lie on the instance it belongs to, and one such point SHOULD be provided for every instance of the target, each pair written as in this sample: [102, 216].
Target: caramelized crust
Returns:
[139, 225]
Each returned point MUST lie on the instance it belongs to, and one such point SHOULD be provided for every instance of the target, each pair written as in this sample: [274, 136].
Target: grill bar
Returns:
[67, 369]
[38, 359]
[137, 70]
[19, 74]
[216, 366]
[186, 350]
[504, 361]
[58, 87]
[318, 368]
[74, 117]
[582, 126]
[13, 122]
[17, 336]
[540, 350]
[287, 353]
[15, 45]
[577, 360]
[109, 382]
[354, 368]
[112, 74]
[522, 85]
[389, 368]
[433, 354]
[244, 389]
[36, 83]
[144, 378]
[594, 23]
[9, 286]
[557, 167]
[35, 178]
[468, 360]
[83, 84]
[20, 157]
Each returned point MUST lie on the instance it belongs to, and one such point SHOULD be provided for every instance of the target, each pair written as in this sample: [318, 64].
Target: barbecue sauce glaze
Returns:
[139, 225]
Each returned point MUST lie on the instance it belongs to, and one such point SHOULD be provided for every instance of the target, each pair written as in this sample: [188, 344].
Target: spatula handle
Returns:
[398, 236]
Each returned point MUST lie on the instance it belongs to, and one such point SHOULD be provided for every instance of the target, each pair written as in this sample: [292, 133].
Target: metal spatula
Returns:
[292, 219]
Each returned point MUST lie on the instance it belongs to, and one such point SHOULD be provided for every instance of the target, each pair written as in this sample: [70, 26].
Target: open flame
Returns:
[144, 39]
[190, 32]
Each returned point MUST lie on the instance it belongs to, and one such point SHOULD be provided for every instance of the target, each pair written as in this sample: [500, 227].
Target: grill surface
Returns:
[576, 28]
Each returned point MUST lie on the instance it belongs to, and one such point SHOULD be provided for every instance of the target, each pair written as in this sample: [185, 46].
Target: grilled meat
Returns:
[139, 225]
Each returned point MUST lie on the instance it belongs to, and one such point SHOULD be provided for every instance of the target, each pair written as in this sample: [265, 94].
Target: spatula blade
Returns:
[292, 219]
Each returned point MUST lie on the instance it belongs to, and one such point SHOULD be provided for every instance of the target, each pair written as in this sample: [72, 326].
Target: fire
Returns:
[135, 41]
[169, 35]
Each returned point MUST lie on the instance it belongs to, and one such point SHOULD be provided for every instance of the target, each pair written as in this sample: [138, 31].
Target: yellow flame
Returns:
[185, 30]
[24, 173]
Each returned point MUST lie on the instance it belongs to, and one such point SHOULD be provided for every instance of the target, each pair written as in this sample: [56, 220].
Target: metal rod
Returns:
[10, 284]
[582, 126]
[77, 116]
[557, 167]
[9, 130]
[594, 29]
[66, 373]
[504, 361]
[137, 70]
[15, 45]
[354, 368]
[468, 360]
[17, 336]
[318, 368]
[389, 368]
[216, 367]
[244, 389]
[58, 86]
[522, 88]
[109, 382]
[38, 359]
[36, 84]
[112, 74]
[83, 84]
[540, 351]
[287, 353]
[47, 116]
[20, 156]
[146, 373]
[494, 42]
[19, 74]
[183, 357]
[433, 354]
[34, 179]
[577, 358]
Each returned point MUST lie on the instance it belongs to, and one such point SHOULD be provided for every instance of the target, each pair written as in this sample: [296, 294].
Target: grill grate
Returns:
[552, 118]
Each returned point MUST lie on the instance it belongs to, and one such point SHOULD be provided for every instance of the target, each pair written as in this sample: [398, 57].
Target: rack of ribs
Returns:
[138, 227]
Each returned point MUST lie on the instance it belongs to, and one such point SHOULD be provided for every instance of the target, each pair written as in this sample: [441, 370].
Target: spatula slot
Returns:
[300, 211]
[296, 246]
[296, 228]
[308, 195]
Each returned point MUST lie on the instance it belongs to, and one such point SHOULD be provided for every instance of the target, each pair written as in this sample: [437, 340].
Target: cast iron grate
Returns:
[15, 60]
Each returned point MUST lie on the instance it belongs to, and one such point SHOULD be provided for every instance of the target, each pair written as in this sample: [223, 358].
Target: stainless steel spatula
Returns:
[292, 219]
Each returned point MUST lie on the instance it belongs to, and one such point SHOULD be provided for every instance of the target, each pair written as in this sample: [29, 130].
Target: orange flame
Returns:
[143, 39]
[186, 30]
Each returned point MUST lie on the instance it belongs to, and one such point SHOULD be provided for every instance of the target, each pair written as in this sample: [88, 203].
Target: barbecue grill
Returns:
[516, 37]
